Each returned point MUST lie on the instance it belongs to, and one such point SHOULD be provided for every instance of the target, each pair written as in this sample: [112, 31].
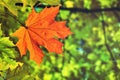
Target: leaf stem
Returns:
[13, 16]
[17, 20]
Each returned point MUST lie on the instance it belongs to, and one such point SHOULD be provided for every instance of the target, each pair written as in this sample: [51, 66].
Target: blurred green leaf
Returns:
[51, 2]
[6, 42]
[92, 56]
[1, 78]
[87, 4]
[106, 3]
[10, 5]
[104, 57]
[66, 71]
[0, 31]
[29, 2]
[64, 14]
[47, 76]
[69, 4]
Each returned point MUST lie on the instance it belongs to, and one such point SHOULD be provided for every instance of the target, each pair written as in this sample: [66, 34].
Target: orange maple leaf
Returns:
[41, 30]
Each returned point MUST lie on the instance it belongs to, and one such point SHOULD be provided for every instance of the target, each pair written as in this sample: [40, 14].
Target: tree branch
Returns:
[86, 10]
[91, 10]
[108, 47]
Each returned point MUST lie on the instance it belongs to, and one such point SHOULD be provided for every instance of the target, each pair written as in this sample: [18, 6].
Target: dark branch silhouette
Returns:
[115, 67]
[90, 10]
[84, 10]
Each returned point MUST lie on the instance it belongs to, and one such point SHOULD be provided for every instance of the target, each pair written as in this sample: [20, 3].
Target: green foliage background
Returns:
[86, 55]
